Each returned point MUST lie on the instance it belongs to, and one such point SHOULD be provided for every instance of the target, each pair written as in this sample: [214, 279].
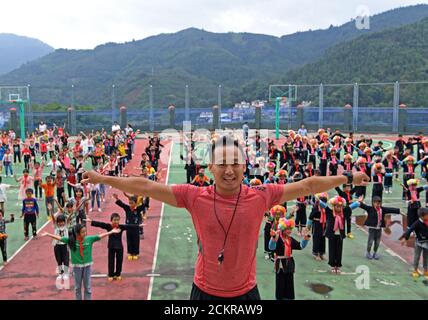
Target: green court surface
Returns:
[389, 277]
[14, 206]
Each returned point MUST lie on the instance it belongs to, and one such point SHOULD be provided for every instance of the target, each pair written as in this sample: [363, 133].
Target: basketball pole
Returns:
[21, 119]
[277, 104]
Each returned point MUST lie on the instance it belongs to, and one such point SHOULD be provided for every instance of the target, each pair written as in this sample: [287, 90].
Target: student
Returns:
[283, 244]
[25, 183]
[335, 231]
[49, 188]
[3, 195]
[133, 217]
[317, 223]
[420, 227]
[413, 200]
[378, 180]
[80, 245]
[347, 193]
[115, 246]
[390, 163]
[79, 201]
[61, 224]
[7, 162]
[3, 235]
[275, 213]
[375, 222]
[37, 177]
[30, 213]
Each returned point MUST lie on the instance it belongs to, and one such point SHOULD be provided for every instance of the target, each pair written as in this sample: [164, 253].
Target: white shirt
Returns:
[115, 127]
[302, 132]
[42, 127]
[3, 188]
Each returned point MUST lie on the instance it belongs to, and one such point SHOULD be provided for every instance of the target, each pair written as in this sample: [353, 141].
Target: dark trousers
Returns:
[268, 227]
[30, 219]
[16, 155]
[133, 242]
[70, 190]
[61, 255]
[318, 245]
[301, 217]
[335, 248]
[198, 294]
[59, 196]
[284, 285]
[115, 255]
[374, 237]
[3, 247]
[412, 216]
[38, 189]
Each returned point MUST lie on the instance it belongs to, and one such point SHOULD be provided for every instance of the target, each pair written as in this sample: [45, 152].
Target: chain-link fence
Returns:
[373, 107]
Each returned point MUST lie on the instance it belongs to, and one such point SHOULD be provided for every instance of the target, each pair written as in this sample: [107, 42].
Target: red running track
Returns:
[30, 275]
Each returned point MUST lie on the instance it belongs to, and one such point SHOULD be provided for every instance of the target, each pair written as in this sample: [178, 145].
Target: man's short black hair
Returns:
[377, 199]
[225, 141]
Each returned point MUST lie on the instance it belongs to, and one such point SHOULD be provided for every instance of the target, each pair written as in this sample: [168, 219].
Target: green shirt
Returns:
[76, 258]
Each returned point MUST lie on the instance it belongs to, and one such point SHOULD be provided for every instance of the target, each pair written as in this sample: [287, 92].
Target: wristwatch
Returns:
[349, 175]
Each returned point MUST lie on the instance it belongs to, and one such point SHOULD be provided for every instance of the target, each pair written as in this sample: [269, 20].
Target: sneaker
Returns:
[118, 278]
[369, 256]
[322, 257]
[110, 279]
[99, 209]
[5, 264]
[130, 257]
[92, 210]
[415, 274]
[333, 270]
[267, 256]
[135, 257]
[376, 256]
[338, 271]
[25, 238]
[350, 235]
[425, 273]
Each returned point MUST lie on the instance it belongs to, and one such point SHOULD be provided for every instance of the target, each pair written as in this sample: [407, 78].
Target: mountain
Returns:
[243, 63]
[17, 50]
[398, 54]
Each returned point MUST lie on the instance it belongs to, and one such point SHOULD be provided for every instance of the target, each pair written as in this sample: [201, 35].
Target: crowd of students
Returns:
[68, 202]
[319, 216]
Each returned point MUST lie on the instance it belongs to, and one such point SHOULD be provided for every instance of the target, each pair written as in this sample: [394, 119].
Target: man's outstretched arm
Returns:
[316, 185]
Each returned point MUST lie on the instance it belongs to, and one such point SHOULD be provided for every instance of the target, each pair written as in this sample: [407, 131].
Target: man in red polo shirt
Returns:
[227, 217]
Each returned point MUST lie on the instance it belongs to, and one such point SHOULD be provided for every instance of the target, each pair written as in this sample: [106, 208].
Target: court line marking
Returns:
[149, 295]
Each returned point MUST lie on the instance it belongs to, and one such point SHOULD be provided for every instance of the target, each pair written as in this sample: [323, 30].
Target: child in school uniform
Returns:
[62, 257]
[375, 222]
[275, 213]
[347, 193]
[335, 231]
[390, 163]
[3, 235]
[134, 216]
[30, 213]
[316, 223]
[283, 244]
[420, 227]
[115, 246]
[413, 200]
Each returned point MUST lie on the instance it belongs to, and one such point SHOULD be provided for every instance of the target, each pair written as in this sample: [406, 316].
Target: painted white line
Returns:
[153, 275]
[149, 295]
[388, 249]
[99, 275]
[23, 246]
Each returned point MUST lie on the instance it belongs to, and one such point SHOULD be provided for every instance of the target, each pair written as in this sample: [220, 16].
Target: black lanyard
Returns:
[220, 257]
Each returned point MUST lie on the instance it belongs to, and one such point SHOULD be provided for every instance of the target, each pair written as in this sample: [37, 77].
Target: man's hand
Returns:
[360, 179]
[91, 177]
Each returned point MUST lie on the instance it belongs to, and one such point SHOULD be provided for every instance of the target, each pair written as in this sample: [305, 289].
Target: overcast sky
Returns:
[84, 24]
